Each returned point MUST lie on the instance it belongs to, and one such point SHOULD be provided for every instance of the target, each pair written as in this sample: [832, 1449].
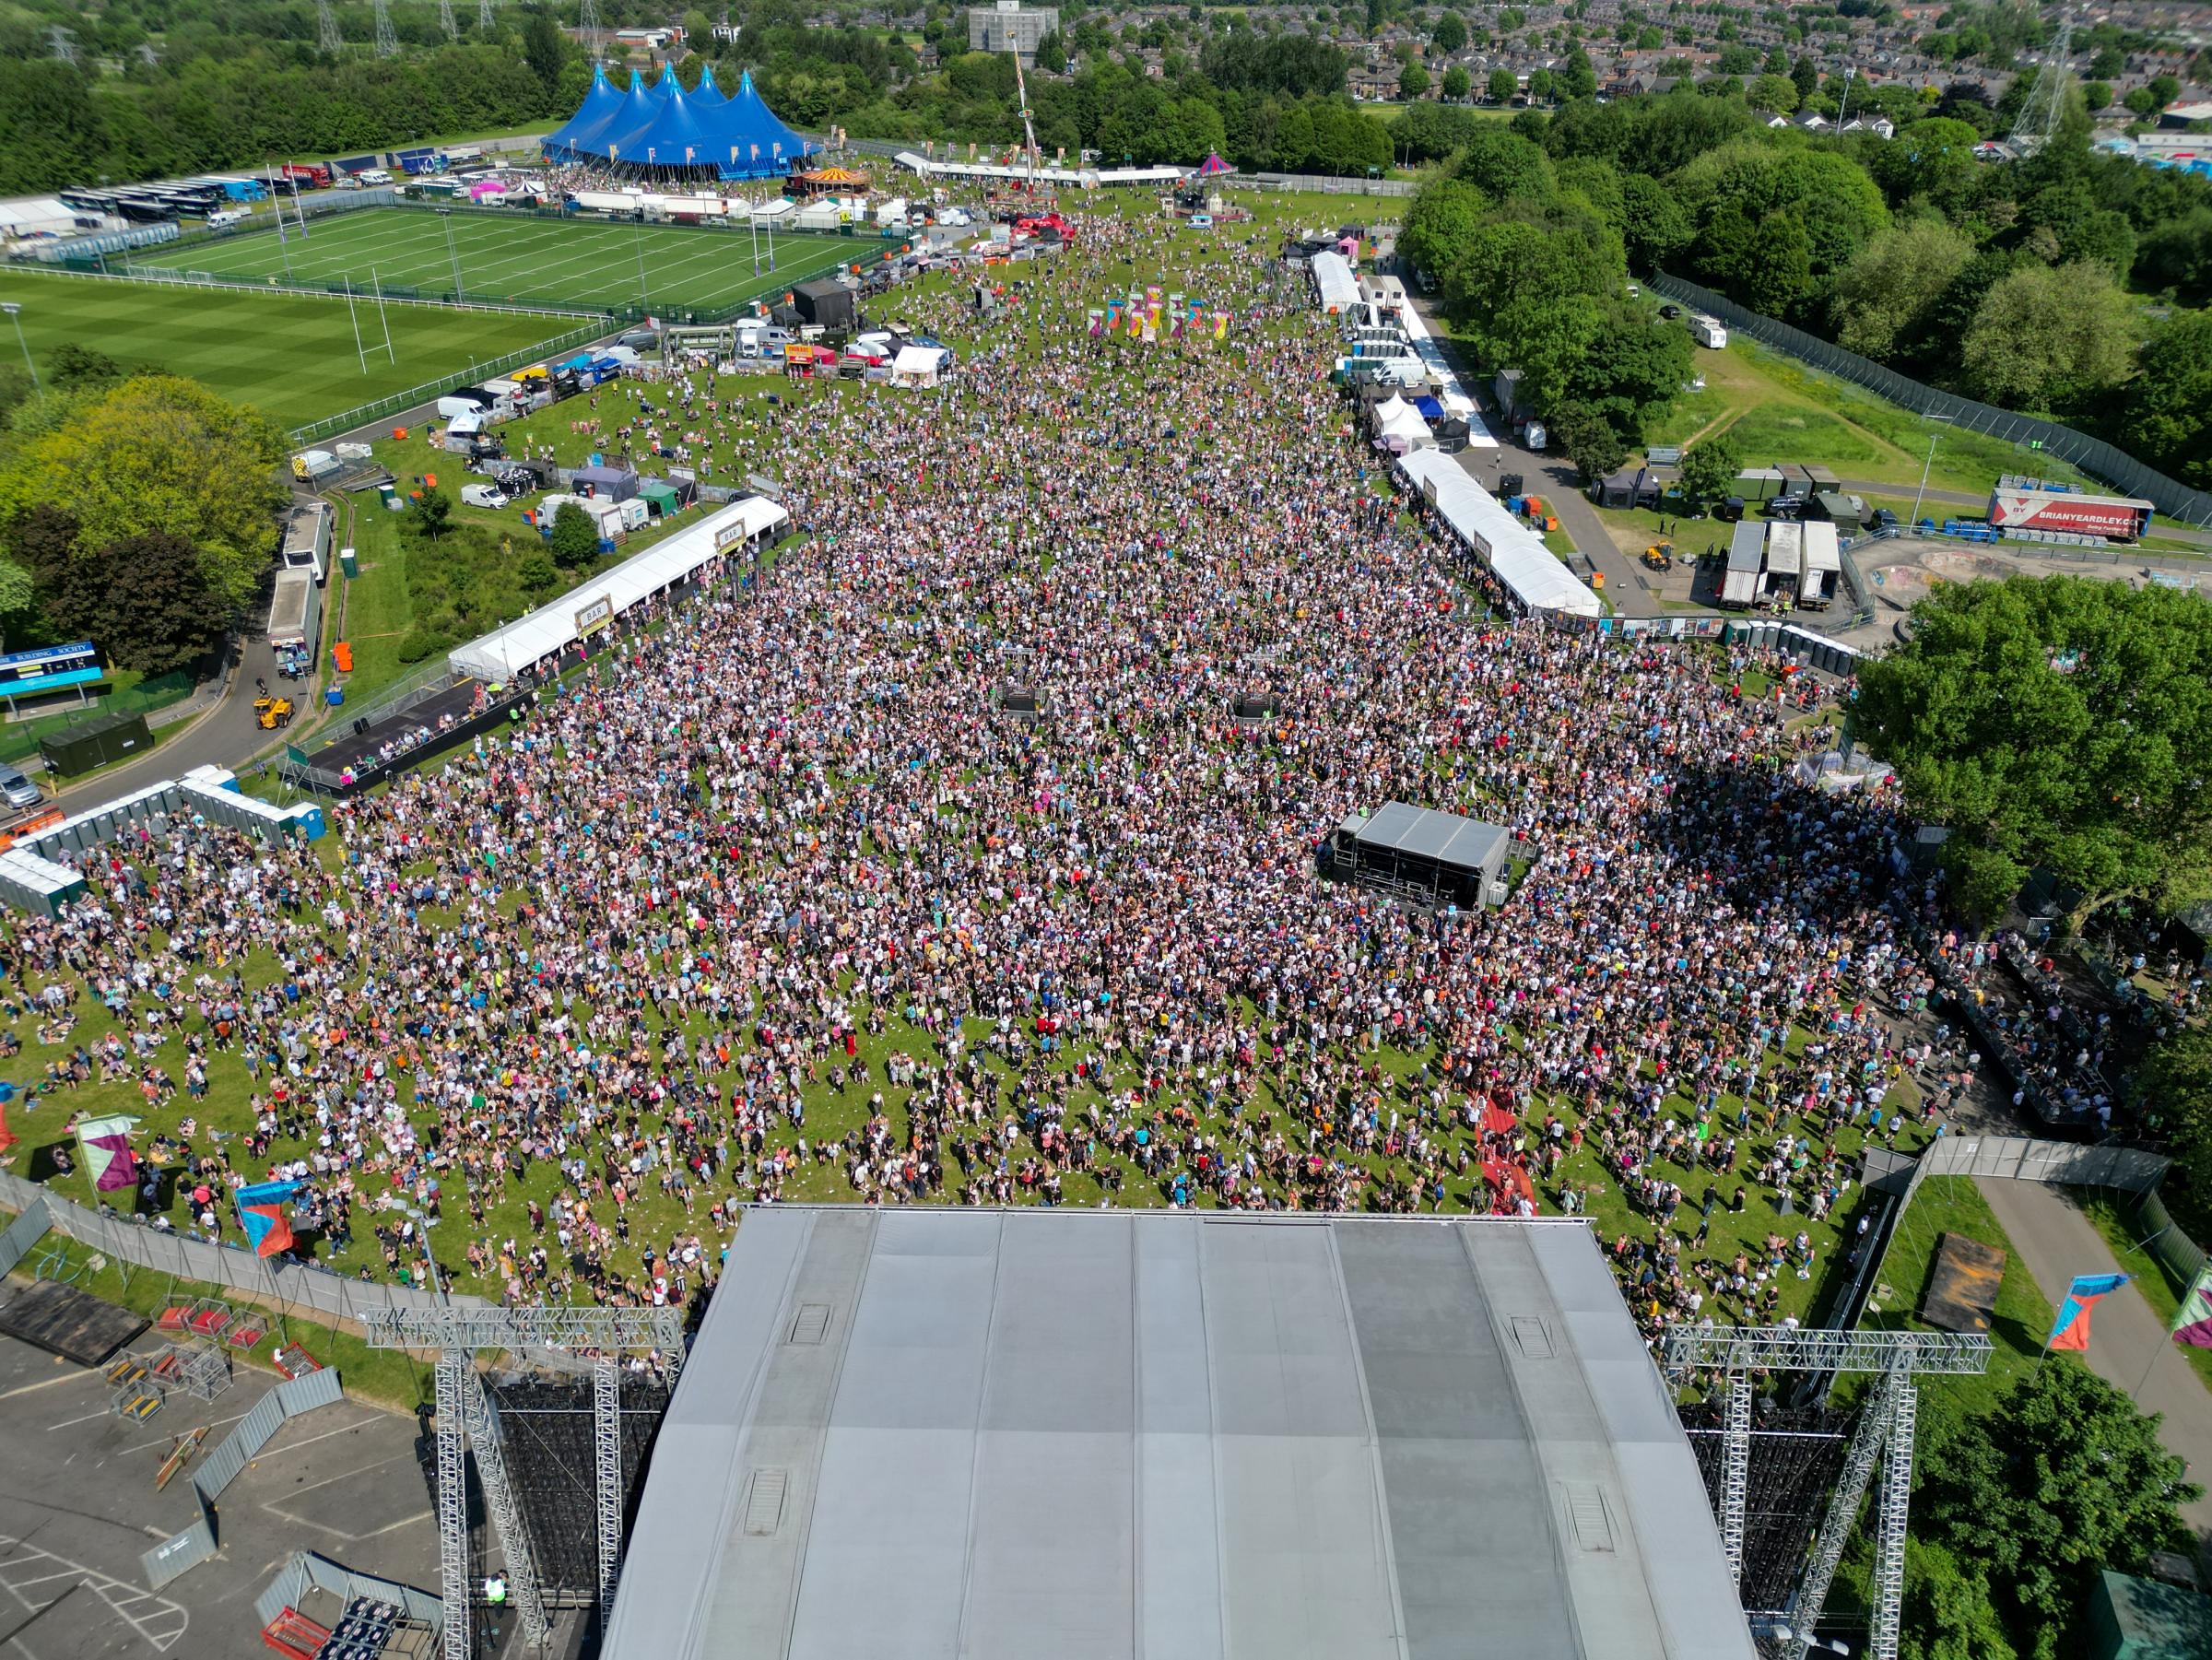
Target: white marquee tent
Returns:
[506, 651]
[1530, 570]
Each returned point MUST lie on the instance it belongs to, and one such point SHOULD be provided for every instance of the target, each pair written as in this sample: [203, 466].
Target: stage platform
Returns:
[64, 1321]
[358, 749]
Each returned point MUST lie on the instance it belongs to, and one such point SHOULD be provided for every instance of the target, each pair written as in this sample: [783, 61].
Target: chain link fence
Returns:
[2093, 455]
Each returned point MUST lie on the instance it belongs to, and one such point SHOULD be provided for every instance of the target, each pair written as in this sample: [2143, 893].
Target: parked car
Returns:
[18, 791]
[1670, 311]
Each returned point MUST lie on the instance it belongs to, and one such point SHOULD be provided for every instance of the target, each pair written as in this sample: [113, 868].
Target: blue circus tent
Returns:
[666, 84]
[674, 137]
[663, 128]
[600, 102]
[707, 95]
[757, 136]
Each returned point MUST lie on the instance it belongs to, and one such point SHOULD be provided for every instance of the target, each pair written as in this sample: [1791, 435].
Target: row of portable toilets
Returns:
[39, 874]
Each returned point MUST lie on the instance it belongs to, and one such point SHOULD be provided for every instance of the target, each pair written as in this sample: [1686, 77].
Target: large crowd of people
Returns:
[778, 899]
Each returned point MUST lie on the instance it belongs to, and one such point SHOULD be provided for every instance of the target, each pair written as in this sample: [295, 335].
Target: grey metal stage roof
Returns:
[1447, 838]
[1100, 1435]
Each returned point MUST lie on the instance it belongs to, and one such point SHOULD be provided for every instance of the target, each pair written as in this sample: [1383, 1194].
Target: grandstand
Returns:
[665, 134]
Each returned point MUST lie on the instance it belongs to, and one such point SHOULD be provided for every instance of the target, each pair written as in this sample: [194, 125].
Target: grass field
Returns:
[665, 269]
[1781, 411]
[291, 357]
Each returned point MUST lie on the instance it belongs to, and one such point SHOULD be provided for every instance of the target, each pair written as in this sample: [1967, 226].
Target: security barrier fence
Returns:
[2093, 455]
[294, 1285]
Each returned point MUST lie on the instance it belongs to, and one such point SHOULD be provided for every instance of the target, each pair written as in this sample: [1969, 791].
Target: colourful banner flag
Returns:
[105, 1146]
[2193, 1321]
[8, 1136]
[2071, 1330]
[261, 1209]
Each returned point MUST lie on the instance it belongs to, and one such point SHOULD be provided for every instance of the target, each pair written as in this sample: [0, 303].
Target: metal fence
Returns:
[2063, 1163]
[399, 402]
[181, 1551]
[305, 1569]
[2093, 455]
[22, 1233]
[294, 1286]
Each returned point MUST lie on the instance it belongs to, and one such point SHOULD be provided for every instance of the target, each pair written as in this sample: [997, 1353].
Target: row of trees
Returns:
[2008, 282]
[60, 125]
[137, 511]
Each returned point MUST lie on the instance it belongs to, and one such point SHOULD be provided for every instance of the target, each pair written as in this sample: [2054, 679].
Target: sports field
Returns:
[292, 357]
[668, 270]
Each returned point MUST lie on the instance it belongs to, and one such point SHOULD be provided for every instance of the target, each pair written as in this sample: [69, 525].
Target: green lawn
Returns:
[290, 356]
[518, 258]
[2017, 1325]
[1780, 411]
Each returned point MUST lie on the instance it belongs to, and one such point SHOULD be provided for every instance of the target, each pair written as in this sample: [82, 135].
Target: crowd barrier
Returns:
[305, 1569]
[292, 1285]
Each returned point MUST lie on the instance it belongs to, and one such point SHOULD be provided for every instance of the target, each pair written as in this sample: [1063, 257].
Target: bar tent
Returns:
[1531, 572]
[503, 653]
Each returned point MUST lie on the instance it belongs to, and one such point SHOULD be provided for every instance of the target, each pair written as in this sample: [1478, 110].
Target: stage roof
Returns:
[1107, 1434]
[1463, 844]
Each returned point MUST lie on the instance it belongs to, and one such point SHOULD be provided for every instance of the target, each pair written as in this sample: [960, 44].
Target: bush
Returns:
[424, 642]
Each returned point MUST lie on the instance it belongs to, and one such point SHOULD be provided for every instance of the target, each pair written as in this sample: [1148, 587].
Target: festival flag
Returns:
[2071, 1330]
[2193, 1321]
[8, 1136]
[105, 1146]
[261, 1209]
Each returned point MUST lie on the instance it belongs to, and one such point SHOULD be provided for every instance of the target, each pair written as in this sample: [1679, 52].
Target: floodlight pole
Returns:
[1926, 467]
[15, 314]
[447, 215]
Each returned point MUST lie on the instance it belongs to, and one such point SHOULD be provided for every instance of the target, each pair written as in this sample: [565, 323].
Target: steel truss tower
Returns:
[464, 1406]
[2037, 123]
[1884, 1436]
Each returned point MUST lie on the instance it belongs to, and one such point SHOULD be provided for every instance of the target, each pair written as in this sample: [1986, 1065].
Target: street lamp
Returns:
[447, 215]
[14, 313]
[1926, 467]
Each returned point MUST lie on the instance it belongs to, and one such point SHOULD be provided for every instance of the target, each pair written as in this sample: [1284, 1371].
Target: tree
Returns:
[430, 514]
[1051, 52]
[1709, 469]
[1450, 35]
[545, 47]
[1458, 83]
[74, 368]
[1773, 93]
[1630, 368]
[1805, 75]
[2047, 340]
[2176, 1083]
[1881, 301]
[161, 613]
[575, 539]
[1540, 86]
[1589, 440]
[17, 594]
[2169, 403]
[2059, 722]
[1504, 83]
[1413, 82]
[2064, 1478]
[1580, 79]
[2096, 96]
[155, 453]
[536, 570]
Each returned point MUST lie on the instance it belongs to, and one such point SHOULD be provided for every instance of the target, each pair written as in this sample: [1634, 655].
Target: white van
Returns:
[482, 495]
[375, 175]
[224, 218]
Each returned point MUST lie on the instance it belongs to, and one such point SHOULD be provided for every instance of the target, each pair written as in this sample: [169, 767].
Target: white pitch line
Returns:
[67, 1377]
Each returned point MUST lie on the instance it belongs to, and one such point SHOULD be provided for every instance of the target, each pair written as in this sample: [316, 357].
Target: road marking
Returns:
[161, 1626]
[67, 1377]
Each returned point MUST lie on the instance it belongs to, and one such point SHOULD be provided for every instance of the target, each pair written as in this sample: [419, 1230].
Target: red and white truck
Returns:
[2118, 518]
[307, 175]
